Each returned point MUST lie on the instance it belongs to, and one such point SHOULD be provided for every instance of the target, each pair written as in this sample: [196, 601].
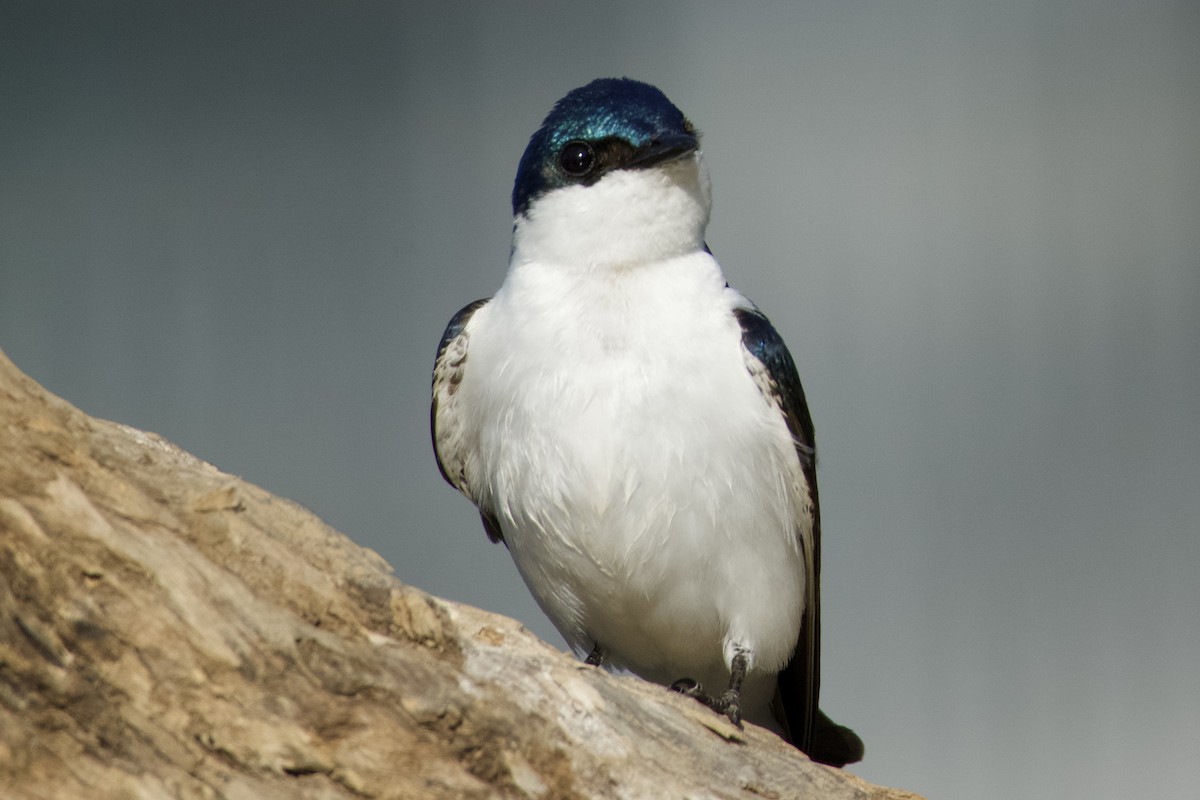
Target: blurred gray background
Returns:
[977, 224]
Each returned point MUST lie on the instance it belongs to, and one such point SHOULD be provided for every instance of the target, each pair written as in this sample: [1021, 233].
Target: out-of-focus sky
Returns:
[977, 225]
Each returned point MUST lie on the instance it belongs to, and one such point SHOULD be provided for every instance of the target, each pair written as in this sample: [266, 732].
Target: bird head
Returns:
[613, 176]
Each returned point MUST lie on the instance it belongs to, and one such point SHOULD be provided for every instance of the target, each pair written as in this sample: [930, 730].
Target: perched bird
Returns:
[634, 430]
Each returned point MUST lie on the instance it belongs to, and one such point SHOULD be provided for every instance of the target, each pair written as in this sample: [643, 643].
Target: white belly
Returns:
[644, 486]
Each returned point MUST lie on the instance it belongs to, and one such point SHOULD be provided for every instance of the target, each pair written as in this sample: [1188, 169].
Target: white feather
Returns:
[650, 494]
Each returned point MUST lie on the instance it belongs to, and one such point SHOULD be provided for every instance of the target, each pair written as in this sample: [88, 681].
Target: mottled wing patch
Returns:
[446, 415]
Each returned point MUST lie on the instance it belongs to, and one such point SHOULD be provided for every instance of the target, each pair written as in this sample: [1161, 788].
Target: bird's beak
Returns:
[664, 148]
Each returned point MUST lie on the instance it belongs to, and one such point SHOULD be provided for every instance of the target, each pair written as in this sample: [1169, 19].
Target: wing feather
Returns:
[446, 422]
[798, 684]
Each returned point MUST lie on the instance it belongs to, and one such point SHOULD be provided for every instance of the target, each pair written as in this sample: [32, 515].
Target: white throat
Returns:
[628, 217]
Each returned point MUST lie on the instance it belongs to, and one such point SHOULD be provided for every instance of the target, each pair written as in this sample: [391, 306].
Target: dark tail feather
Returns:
[833, 744]
[828, 742]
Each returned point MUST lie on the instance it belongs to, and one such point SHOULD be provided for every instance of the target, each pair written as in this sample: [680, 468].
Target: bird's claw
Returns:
[689, 687]
[728, 704]
[596, 657]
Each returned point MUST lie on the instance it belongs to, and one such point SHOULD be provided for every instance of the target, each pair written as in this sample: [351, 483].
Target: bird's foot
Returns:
[596, 657]
[689, 687]
[728, 703]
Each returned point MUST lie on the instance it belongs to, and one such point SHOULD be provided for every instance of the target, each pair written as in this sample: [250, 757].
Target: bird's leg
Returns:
[596, 657]
[729, 702]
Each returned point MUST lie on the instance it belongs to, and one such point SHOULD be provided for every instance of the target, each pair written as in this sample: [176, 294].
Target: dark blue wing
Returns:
[798, 685]
[761, 339]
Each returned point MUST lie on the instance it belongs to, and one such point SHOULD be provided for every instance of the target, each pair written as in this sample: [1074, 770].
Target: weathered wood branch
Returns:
[167, 630]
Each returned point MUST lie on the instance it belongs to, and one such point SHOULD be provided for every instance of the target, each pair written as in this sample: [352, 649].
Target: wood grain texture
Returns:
[168, 630]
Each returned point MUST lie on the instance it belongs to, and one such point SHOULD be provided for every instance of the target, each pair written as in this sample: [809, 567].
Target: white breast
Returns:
[646, 489]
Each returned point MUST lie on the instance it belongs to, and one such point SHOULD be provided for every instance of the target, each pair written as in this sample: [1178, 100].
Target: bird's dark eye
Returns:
[577, 158]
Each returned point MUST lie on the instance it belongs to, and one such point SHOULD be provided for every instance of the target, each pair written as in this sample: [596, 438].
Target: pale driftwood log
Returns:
[170, 631]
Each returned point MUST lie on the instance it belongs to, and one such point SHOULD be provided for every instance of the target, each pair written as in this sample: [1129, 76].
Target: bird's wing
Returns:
[797, 687]
[771, 365]
[446, 422]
